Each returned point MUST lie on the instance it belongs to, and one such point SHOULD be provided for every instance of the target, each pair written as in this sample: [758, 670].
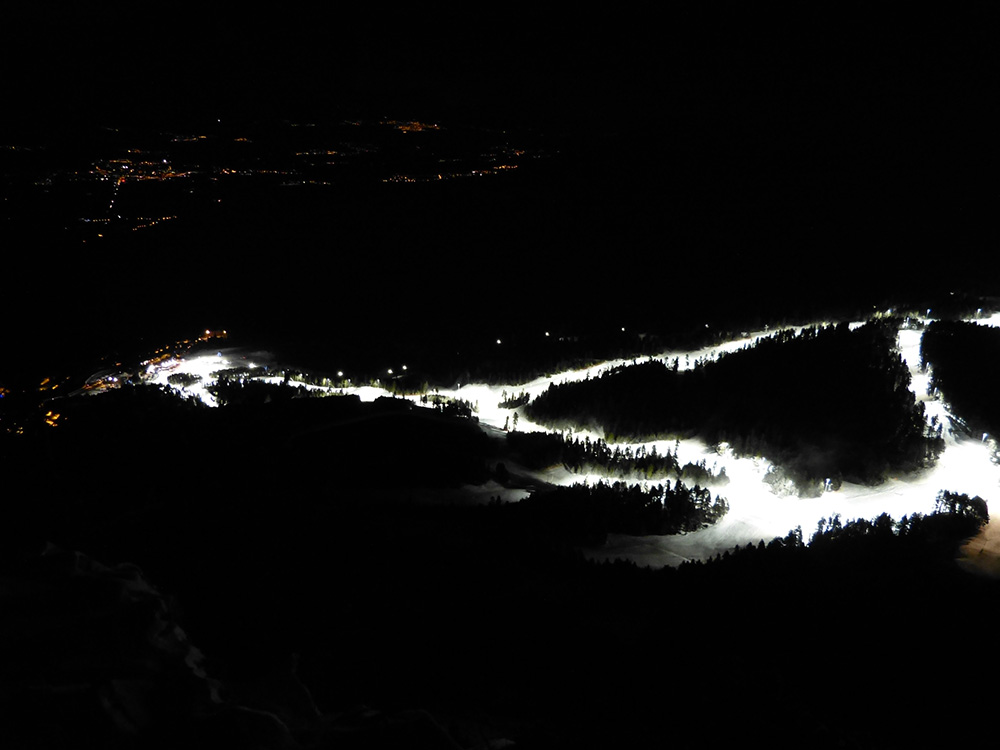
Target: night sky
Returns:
[759, 154]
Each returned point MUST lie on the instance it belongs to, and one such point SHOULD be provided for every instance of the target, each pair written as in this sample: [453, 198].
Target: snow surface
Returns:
[755, 512]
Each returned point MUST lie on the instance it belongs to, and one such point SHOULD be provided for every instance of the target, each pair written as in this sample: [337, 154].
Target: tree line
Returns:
[183, 379]
[232, 389]
[586, 513]
[956, 517]
[585, 455]
[827, 403]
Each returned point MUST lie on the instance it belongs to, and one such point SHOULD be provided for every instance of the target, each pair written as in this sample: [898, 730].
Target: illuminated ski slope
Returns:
[755, 512]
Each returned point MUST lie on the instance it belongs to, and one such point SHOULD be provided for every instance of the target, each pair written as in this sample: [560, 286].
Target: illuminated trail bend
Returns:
[755, 512]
